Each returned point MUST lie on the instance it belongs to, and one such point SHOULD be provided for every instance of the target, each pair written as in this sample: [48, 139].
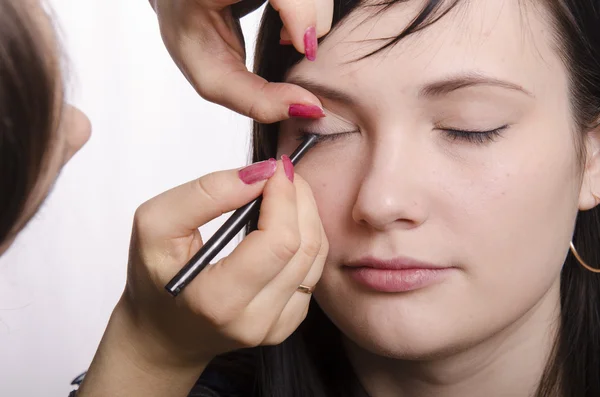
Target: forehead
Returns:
[504, 39]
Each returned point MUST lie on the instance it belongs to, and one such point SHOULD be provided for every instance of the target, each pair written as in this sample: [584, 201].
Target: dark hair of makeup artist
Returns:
[27, 99]
[311, 362]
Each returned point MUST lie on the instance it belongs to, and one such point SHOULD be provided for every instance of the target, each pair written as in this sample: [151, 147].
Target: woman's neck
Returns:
[509, 364]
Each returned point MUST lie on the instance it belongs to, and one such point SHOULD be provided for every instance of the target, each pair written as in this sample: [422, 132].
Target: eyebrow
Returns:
[434, 89]
[324, 91]
[457, 82]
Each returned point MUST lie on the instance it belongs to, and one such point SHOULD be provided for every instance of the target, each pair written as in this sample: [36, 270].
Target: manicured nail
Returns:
[285, 42]
[306, 111]
[288, 167]
[258, 171]
[310, 43]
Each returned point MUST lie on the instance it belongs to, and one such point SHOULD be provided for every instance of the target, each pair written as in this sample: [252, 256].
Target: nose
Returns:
[77, 128]
[393, 192]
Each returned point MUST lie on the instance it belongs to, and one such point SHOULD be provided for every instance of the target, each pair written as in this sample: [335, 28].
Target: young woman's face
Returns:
[72, 128]
[402, 182]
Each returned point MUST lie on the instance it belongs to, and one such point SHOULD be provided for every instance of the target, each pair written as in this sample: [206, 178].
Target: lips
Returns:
[403, 263]
[395, 275]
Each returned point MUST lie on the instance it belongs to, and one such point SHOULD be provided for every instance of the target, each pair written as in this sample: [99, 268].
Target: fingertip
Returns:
[310, 43]
[305, 111]
[288, 167]
[258, 172]
[280, 181]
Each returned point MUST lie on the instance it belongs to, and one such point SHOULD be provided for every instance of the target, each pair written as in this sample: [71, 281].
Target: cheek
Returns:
[334, 176]
[512, 216]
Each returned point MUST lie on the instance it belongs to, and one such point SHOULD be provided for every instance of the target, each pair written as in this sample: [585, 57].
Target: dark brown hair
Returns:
[312, 362]
[27, 110]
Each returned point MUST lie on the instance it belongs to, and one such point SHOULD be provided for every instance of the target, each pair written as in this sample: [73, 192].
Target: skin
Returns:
[205, 40]
[500, 212]
[155, 345]
[72, 129]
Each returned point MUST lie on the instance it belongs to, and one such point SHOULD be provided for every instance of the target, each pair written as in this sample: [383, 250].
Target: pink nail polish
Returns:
[306, 111]
[258, 171]
[310, 43]
[288, 167]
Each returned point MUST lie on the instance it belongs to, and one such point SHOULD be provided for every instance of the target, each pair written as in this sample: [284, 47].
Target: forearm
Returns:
[122, 368]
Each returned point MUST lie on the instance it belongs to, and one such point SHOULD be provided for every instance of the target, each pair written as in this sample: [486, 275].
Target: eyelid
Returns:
[330, 124]
[325, 137]
[326, 131]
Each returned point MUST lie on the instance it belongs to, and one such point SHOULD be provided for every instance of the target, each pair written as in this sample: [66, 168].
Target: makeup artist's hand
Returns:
[249, 298]
[206, 42]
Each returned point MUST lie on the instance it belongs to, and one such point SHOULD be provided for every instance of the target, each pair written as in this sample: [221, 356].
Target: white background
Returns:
[151, 131]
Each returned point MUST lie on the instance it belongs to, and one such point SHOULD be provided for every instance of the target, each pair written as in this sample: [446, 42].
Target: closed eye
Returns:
[474, 136]
[325, 137]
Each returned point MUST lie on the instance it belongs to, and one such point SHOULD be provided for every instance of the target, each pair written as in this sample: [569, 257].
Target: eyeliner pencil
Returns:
[228, 231]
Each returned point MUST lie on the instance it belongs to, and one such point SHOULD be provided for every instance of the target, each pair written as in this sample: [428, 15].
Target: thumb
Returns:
[182, 210]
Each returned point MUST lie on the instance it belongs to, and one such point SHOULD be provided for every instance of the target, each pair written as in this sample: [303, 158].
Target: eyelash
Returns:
[470, 136]
[474, 136]
[325, 137]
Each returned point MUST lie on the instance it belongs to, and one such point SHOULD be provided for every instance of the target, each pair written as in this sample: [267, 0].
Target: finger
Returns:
[282, 287]
[324, 20]
[324, 16]
[296, 308]
[300, 19]
[316, 270]
[262, 254]
[218, 73]
[252, 96]
[183, 209]
[305, 266]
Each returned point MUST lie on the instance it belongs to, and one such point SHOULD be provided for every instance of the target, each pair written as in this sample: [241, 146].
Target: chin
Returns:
[407, 327]
[402, 342]
[405, 346]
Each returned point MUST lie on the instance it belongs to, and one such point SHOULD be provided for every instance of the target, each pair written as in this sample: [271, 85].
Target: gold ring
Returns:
[305, 289]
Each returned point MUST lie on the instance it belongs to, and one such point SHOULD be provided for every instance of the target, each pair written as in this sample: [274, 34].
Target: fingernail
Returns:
[306, 111]
[285, 42]
[288, 167]
[310, 43]
[258, 171]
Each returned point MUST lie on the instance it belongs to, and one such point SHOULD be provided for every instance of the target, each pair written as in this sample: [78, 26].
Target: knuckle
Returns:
[142, 219]
[252, 336]
[311, 247]
[219, 315]
[275, 339]
[206, 90]
[285, 246]
[283, 329]
[258, 109]
[248, 340]
[257, 112]
[215, 316]
[206, 186]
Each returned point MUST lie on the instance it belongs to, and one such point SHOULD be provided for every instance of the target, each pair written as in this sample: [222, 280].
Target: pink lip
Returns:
[396, 275]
